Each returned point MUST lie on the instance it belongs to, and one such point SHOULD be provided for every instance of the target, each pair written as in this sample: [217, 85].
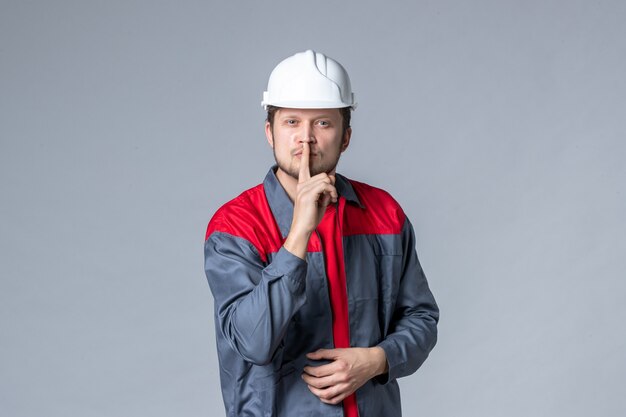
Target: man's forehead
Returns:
[314, 113]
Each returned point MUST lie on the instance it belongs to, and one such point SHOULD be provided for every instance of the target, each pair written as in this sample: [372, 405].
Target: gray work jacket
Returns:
[272, 308]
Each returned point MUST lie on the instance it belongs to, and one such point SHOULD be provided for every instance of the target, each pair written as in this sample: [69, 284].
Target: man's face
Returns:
[321, 128]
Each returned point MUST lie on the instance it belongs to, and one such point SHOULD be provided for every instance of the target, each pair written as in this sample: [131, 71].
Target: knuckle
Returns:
[329, 395]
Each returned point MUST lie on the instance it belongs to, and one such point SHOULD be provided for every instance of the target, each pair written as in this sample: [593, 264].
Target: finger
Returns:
[323, 175]
[322, 354]
[314, 182]
[317, 191]
[331, 395]
[305, 173]
[322, 370]
[330, 179]
[319, 383]
[324, 201]
[327, 192]
[334, 400]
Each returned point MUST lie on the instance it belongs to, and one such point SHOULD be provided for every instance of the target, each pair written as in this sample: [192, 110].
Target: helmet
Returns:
[309, 80]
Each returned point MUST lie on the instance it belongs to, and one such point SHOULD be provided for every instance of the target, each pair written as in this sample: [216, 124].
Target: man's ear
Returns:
[269, 135]
[345, 141]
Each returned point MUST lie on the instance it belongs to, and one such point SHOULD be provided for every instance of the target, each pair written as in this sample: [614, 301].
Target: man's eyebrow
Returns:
[296, 116]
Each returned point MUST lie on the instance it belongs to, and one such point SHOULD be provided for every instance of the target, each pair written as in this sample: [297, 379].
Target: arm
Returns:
[413, 331]
[253, 303]
[412, 335]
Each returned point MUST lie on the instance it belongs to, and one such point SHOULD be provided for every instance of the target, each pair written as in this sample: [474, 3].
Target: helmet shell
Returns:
[309, 80]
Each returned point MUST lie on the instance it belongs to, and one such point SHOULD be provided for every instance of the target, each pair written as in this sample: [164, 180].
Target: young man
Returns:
[320, 300]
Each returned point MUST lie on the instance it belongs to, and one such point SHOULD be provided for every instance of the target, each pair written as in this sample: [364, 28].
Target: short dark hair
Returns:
[346, 115]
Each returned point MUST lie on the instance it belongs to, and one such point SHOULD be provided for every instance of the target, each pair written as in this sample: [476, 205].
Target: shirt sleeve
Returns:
[253, 302]
[413, 332]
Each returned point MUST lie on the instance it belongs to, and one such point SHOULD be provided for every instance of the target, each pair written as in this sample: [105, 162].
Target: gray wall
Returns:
[498, 125]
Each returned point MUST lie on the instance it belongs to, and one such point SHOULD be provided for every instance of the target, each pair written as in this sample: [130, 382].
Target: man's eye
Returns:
[291, 122]
[323, 123]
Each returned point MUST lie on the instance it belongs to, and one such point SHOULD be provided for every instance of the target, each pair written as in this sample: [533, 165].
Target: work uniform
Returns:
[272, 308]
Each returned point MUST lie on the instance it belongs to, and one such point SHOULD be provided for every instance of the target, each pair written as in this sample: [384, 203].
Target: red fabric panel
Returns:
[329, 230]
[249, 216]
[382, 214]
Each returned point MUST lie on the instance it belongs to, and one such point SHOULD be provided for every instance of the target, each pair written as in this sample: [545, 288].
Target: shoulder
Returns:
[240, 215]
[381, 213]
[249, 217]
[375, 197]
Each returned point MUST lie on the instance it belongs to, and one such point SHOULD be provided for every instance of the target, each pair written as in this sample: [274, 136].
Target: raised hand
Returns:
[313, 195]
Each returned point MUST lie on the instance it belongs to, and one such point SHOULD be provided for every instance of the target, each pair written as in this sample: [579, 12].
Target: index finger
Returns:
[305, 173]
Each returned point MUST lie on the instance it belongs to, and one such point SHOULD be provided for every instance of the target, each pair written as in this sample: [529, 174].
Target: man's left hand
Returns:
[349, 370]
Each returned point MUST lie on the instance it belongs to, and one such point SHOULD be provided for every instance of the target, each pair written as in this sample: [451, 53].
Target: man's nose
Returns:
[306, 134]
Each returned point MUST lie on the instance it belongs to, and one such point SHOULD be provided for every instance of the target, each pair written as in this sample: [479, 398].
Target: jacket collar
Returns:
[282, 207]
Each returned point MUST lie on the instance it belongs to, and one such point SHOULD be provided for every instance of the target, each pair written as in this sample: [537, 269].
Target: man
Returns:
[320, 301]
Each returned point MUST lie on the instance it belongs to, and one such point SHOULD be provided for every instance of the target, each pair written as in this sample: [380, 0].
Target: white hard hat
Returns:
[309, 80]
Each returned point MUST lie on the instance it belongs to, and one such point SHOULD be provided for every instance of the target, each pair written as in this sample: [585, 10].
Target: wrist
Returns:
[380, 359]
[297, 243]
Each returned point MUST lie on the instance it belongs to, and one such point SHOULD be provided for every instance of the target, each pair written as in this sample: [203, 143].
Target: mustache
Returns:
[299, 151]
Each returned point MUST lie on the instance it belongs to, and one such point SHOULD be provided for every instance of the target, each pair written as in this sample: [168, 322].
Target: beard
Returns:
[316, 168]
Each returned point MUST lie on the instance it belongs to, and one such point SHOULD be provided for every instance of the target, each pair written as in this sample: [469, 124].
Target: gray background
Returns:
[498, 125]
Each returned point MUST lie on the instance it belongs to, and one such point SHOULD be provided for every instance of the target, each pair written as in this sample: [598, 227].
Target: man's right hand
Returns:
[313, 195]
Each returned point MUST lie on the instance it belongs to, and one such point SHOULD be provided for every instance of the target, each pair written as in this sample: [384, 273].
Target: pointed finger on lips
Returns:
[305, 173]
